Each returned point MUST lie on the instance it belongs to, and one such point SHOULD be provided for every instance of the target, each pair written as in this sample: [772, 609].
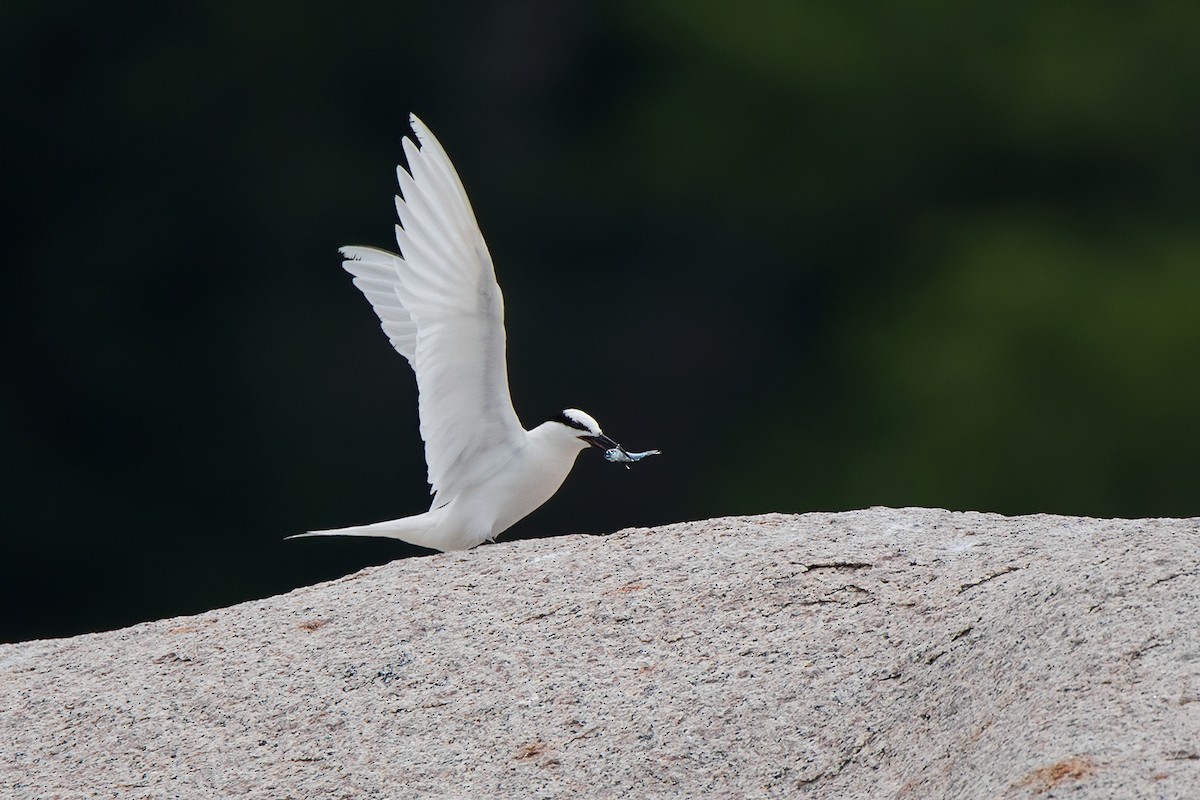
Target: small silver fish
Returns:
[618, 455]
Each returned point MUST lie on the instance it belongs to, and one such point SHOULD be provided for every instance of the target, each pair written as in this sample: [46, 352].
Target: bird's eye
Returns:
[572, 422]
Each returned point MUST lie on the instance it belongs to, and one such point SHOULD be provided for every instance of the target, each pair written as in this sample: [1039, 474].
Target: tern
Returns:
[441, 308]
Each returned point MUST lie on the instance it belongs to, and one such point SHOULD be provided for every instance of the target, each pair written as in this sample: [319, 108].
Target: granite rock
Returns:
[911, 653]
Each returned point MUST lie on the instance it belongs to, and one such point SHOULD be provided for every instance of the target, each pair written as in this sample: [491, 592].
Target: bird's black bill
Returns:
[601, 441]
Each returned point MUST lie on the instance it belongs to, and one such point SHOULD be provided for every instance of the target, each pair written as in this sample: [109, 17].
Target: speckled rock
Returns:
[882, 653]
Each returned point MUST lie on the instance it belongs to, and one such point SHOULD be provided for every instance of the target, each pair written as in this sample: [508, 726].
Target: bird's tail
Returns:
[415, 529]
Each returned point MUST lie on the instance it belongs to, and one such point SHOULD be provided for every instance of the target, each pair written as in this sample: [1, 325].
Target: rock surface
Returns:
[882, 653]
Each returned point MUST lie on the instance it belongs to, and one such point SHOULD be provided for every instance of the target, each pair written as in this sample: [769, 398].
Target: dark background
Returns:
[825, 255]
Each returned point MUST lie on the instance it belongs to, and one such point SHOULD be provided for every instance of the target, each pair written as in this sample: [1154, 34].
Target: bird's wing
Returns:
[442, 309]
[375, 274]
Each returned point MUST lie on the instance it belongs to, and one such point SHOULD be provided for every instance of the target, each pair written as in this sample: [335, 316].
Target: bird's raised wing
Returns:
[442, 309]
[375, 274]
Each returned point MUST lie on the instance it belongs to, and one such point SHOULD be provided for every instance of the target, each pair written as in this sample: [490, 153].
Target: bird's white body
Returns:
[479, 514]
[442, 309]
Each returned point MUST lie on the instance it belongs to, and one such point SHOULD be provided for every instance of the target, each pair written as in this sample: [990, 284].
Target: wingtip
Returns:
[418, 128]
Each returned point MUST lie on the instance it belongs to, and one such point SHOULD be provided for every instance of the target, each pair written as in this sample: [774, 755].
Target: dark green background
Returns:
[825, 255]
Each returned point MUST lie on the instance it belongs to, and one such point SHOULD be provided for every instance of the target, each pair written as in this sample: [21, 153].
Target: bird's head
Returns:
[584, 428]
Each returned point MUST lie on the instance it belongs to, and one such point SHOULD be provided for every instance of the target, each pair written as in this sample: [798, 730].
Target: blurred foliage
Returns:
[825, 255]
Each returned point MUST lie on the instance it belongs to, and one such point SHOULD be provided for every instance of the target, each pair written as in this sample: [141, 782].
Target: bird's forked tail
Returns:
[417, 529]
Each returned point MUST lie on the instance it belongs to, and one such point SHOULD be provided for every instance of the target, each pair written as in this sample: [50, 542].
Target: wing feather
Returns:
[375, 274]
[442, 309]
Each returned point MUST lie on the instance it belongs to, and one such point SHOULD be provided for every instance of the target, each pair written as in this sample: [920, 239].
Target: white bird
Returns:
[442, 309]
